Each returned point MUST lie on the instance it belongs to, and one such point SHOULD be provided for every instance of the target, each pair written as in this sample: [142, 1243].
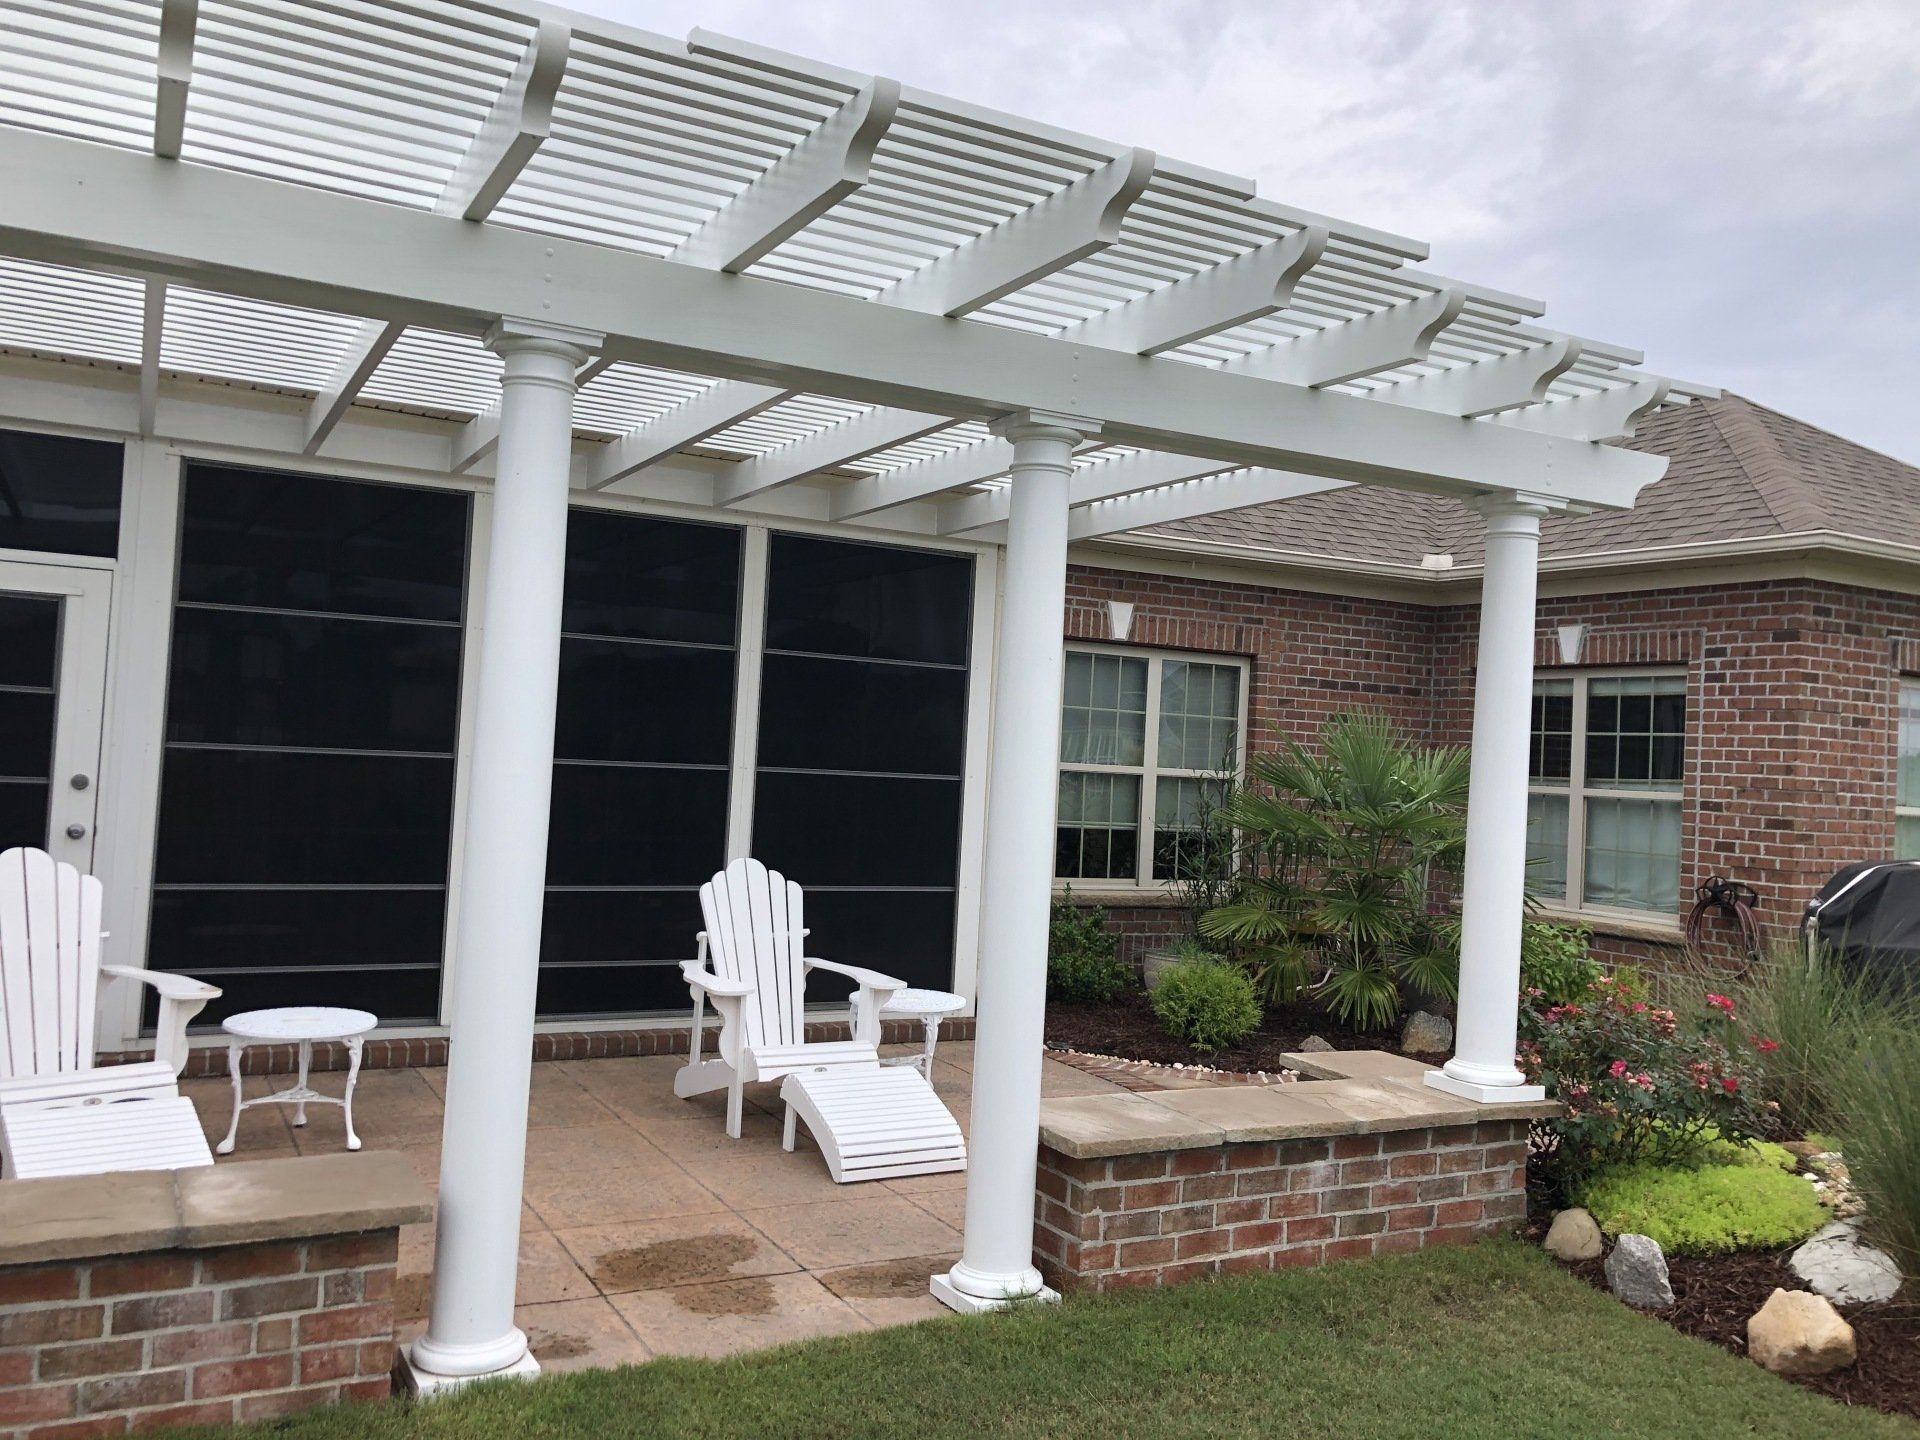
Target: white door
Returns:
[53, 669]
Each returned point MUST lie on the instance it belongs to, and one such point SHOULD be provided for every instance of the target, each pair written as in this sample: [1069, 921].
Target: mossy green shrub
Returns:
[1752, 1204]
[1083, 965]
[1556, 967]
[1208, 1004]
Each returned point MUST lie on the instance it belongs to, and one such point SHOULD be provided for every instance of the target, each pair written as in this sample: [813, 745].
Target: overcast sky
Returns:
[1732, 186]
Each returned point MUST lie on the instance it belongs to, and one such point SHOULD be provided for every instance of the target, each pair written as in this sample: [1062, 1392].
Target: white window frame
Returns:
[1149, 771]
[1578, 792]
[1906, 697]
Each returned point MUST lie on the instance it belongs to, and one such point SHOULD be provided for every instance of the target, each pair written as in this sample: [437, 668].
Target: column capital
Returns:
[1495, 503]
[1041, 424]
[510, 335]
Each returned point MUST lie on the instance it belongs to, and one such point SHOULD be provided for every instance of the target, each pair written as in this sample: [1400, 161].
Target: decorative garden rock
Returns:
[1838, 1264]
[1426, 1034]
[1798, 1333]
[1637, 1272]
[1313, 1045]
[1574, 1235]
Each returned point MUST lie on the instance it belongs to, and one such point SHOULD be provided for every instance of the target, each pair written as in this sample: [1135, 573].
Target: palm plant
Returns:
[1341, 844]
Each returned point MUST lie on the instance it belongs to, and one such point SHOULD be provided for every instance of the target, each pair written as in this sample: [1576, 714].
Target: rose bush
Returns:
[1640, 1084]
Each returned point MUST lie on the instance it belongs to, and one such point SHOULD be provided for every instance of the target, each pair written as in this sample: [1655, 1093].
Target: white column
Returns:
[1494, 889]
[503, 870]
[996, 1262]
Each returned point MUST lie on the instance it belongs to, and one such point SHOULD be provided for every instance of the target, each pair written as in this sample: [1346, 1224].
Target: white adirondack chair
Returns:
[753, 967]
[59, 1113]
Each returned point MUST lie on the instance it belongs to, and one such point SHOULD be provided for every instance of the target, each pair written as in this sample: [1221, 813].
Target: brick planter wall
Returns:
[159, 1297]
[178, 1337]
[1165, 1216]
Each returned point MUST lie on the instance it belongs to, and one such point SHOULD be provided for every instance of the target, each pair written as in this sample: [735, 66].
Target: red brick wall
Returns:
[1167, 1216]
[175, 1337]
[1793, 693]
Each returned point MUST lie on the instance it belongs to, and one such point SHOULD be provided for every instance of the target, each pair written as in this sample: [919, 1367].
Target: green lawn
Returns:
[1493, 1341]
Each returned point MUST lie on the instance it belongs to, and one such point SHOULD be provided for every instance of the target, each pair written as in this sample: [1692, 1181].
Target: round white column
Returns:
[1494, 889]
[470, 1331]
[1022, 786]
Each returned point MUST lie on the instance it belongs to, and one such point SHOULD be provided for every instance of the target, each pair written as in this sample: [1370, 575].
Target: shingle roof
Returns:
[1739, 471]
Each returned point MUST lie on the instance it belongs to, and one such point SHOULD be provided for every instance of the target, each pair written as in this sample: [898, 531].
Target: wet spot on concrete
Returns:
[555, 1345]
[673, 1262]
[888, 1280]
[734, 1297]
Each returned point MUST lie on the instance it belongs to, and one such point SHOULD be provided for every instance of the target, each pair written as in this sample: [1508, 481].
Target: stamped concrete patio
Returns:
[646, 1231]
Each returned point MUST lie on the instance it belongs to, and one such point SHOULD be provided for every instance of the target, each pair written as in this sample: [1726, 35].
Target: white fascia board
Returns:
[818, 173]
[1212, 495]
[1384, 340]
[1069, 225]
[687, 423]
[877, 429]
[1102, 480]
[179, 19]
[1504, 382]
[93, 206]
[153, 320]
[1602, 415]
[1247, 287]
[516, 127]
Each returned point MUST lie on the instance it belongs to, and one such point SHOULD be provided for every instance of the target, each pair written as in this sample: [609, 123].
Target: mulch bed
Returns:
[1713, 1299]
[1129, 1028]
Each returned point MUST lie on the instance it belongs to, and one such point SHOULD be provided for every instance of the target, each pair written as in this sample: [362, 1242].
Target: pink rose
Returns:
[1617, 1069]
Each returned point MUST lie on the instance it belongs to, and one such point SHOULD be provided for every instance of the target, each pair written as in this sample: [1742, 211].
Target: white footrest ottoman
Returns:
[874, 1122]
[92, 1139]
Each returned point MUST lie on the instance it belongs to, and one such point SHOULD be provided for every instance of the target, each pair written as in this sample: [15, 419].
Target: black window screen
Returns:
[59, 494]
[863, 708]
[642, 749]
[312, 716]
[29, 673]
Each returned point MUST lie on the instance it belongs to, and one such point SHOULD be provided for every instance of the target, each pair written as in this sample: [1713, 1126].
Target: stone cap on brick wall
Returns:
[1355, 1092]
[82, 1216]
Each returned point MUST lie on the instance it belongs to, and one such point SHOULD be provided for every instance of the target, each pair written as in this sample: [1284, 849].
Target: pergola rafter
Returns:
[516, 127]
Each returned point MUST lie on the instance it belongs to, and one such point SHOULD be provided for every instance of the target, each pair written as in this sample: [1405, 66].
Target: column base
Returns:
[412, 1379]
[1485, 1094]
[954, 1298]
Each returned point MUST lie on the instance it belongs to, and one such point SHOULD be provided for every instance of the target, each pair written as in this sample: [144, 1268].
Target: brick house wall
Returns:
[1792, 709]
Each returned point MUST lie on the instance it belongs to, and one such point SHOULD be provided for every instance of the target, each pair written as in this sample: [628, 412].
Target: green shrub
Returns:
[1876, 1093]
[1340, 844]
[1082, 957]
[1706, 1209]
[1208, 1004]
[1555, 967]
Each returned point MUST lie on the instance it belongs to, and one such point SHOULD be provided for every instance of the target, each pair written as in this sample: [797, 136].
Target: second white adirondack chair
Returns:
[59, 1113]
[753, 967]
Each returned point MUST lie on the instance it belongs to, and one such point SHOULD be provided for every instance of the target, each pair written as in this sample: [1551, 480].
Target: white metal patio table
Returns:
[302, 1025]
[929, 1007]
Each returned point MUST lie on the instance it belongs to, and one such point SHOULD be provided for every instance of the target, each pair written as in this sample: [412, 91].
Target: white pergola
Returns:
[594, 252]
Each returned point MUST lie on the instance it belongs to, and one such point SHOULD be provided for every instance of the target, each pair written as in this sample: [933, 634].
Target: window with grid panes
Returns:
[1606, 773]
[1906, 822]
[1145, 740]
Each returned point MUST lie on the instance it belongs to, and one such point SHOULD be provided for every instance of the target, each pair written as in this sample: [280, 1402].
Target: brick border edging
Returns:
[401, 1054]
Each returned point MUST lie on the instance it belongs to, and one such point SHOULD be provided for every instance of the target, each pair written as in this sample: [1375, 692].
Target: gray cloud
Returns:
[1731, 185]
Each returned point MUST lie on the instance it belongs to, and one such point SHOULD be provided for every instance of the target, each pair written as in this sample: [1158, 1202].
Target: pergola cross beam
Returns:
[874, 430]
